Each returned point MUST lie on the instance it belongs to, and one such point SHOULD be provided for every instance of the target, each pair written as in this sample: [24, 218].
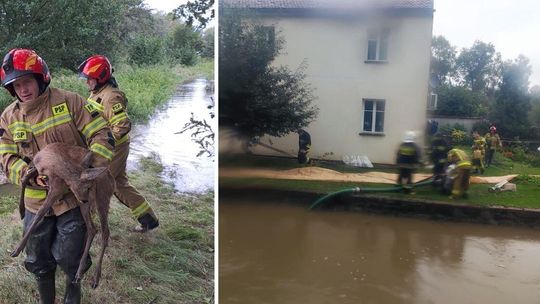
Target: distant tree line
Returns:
[66, 32]
[476, 82]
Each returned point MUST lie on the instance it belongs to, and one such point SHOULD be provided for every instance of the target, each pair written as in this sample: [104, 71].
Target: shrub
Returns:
[457, 132]
[145, 50]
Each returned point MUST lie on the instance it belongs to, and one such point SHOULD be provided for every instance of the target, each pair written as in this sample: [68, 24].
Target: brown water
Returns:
[282, 253]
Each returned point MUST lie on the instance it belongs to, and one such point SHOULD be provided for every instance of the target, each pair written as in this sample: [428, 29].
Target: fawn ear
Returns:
[92, 173]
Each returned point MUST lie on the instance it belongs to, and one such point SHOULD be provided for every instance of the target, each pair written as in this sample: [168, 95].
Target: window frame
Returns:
[433, 101]
[380, 39]
[374, 111]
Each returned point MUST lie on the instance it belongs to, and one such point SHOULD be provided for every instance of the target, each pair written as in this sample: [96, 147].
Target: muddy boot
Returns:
[46, 288]
[148, 222]
[73, 292]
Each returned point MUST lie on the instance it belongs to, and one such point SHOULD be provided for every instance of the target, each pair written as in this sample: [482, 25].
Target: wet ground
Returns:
[282, 253]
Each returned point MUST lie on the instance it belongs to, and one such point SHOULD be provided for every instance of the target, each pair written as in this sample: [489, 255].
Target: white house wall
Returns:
[335, 51]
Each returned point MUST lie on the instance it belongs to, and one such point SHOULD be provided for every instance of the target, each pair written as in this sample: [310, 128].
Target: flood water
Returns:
[283, 253]
[178, 152]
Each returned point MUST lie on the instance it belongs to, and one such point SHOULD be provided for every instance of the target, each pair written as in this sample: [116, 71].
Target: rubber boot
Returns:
[148, 222]
[73, 292]
[46, 288]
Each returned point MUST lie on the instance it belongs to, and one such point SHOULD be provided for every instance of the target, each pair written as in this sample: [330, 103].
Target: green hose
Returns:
[366, 190]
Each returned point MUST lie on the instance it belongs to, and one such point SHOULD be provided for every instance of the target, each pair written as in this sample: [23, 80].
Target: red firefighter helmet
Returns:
[97, 67]
[19, 62]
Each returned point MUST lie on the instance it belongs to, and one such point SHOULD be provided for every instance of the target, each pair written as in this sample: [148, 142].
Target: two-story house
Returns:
[368, 62]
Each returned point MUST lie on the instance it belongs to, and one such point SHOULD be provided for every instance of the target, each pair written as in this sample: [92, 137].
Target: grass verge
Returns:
[528, 185]
[173, 264]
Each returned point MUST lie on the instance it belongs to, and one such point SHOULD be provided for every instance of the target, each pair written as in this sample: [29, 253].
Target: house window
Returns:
[373, 115]
[432, 101]
[378, 45]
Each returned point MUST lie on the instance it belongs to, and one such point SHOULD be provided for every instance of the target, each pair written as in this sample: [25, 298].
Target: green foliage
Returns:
[146, 50]
[527, 179]
[198, 12]
[457, 133]
[208, 43]
[63, 32]
[460, 102]
[482, 127]
[479, 67]
[185, 45]
[67, 80]
[5, 99]
[512, 104]
[460, 137]
[255, 97]
[146, 88]
[443, 59]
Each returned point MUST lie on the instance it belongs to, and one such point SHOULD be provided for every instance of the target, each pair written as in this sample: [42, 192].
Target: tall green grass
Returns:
[173, 264]
[146, 87]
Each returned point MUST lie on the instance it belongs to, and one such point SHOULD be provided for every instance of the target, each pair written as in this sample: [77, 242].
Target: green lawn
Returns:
[527, 195]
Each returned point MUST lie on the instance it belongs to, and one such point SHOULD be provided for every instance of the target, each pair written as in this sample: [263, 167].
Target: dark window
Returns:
[373, 115]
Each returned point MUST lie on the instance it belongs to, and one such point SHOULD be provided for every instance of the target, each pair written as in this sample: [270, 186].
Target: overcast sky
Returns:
[512, 26]
[164, 5]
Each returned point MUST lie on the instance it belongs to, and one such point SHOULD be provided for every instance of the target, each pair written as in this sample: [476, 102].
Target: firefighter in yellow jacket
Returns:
[461, 174]
[111, 102]
[42, 115]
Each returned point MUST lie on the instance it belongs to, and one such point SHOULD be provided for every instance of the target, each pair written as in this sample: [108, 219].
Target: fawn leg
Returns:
[56, 187]
[90, 233]
[103, 212]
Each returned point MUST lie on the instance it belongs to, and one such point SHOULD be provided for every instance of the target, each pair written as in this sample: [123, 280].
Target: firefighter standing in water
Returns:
[40, 116]
[110, 101]
[461, 174]
[408, 157]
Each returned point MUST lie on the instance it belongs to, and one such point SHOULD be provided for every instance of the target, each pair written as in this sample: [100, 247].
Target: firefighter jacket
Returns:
[479, 147]
[439, 149]
[112, 104]
[408, 154]
[55, 116]
[304, 141]
[493, 141]
[459, 157]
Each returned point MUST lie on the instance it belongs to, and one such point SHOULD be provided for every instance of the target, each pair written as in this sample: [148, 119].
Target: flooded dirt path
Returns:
[282, 253]
[178, 152]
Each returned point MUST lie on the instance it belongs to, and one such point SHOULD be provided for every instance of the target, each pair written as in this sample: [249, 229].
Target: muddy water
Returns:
[274, 253]
[177, 152]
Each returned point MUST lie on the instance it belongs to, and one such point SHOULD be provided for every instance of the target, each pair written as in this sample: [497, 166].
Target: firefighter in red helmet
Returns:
[107, 99]
[39, 116]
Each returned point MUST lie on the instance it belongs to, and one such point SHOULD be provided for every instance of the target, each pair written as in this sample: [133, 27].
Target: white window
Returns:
[378, 45]
[432, 101]
[373, 115]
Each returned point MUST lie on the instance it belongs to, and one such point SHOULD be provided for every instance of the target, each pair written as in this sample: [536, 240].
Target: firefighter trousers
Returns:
[57, 240]
[124, 191]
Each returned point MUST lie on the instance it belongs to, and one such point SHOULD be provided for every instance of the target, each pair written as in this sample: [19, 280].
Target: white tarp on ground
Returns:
[321, 174]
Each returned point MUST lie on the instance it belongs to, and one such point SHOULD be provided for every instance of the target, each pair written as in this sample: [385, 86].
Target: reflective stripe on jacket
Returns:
[111, 102]
[55, 116]
[459, 157]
